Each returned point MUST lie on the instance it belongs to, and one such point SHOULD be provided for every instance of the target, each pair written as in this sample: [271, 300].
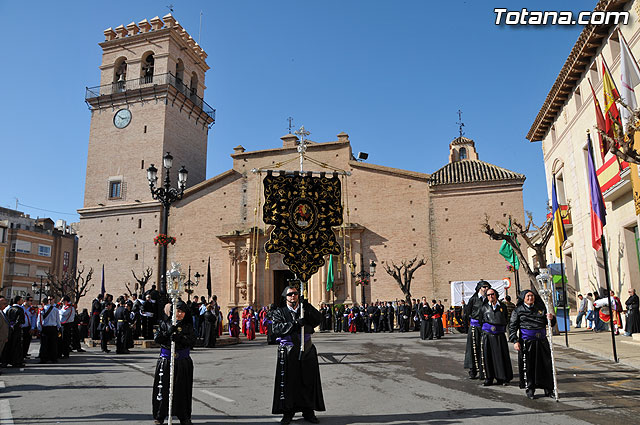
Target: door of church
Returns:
[281, 278]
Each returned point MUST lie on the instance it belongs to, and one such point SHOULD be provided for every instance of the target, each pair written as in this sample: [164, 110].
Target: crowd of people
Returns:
[594, 309]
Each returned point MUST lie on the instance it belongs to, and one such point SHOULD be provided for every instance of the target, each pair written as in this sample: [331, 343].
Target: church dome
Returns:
[471, 171]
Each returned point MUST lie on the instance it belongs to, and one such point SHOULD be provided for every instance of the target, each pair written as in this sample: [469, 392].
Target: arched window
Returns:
[194, 84]
[179, 70]
[462, 154]
[147, 68]
[120, 74]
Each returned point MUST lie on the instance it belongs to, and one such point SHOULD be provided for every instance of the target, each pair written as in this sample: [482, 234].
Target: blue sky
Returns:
[391, 74]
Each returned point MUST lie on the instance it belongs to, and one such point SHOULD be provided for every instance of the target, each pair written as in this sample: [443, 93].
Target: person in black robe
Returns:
[148, 317]
[12, 353]
[383, 323]
[528, 333]
[438, 328]
[390, 316]
[185, 338]
[96, 309]
[495, 349]
[83, 324]
[426, 329]
[404, 313]
[106, 327]
[297, 383]
[337, 314]
[122, 318]
[327, 318]
[210, 326]
[345, 320]
[473, 352]
[632, 324]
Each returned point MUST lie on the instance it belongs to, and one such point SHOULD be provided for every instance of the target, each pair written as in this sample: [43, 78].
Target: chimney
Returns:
[289, 141]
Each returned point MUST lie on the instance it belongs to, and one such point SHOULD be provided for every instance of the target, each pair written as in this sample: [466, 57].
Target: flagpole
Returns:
[566, 301]
[606, 274]
[605, 257]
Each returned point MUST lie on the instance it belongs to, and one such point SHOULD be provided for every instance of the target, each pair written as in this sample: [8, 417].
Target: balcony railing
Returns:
[150, 82]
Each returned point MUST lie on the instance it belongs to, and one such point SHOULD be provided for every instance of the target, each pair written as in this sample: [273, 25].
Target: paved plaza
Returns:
[367, 379]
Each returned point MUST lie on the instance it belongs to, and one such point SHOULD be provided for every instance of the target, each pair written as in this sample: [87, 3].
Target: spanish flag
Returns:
[559, 235]
[611, 113]
[600, 123]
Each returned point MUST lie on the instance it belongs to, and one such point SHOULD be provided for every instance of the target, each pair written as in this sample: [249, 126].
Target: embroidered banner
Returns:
[303, 210]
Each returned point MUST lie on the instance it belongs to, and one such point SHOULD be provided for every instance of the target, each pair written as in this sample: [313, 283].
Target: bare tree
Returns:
[541, 233]
[74, 285]
[141, 282]
[403, 274]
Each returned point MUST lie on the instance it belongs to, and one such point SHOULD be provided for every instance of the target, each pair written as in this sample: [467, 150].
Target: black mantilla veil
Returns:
[482, 283]
[537, 302]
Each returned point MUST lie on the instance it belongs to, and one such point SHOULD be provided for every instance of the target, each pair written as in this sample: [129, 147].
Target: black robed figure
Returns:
[528, 332]
[632, 324]
[426, 329]
[184, 336]
[495, 349]
[473, 353]
[297, 384]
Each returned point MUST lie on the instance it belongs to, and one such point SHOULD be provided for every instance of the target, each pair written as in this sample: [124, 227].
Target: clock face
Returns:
[122, 118]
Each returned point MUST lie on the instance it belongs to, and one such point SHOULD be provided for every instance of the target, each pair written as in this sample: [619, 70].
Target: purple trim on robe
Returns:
[493, 329]
[475, 323]
[287, 340]
[180, 354]
[533, 334]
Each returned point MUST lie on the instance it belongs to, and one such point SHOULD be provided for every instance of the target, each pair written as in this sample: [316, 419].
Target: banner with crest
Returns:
[303, 210]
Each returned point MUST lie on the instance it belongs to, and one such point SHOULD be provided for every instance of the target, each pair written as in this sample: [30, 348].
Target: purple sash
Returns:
[475, 323]
[180, 354]
[493, 329]
[533, 334]
[288, 341]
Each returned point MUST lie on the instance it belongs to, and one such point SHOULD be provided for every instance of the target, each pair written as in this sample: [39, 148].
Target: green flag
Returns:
[330, 274]
[507, 251]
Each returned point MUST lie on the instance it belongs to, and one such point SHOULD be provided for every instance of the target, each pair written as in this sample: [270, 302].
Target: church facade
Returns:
[394, 215]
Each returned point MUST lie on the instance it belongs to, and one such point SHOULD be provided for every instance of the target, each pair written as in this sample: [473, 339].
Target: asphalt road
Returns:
[367, 379]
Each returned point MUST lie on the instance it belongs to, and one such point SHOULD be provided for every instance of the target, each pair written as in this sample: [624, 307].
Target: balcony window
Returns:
[20, 269]
[21, 246]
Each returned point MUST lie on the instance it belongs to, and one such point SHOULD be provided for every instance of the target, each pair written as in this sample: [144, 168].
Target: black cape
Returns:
[632, 325]
[534, 357]
[210, 328]
[495, 349]
[183, 371]
[297, 383]
[426, 329]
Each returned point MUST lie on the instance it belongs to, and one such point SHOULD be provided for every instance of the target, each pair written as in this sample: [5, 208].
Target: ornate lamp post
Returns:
[190, 282]
[34, 287]
[363, 276]
[166, 195]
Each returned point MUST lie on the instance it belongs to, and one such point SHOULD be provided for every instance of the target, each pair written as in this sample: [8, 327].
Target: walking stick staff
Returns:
[545, 291]
[302, 293]
[175, 289]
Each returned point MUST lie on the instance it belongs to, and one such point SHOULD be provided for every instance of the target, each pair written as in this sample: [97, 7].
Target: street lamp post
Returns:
[190, 282]
[34, 287]
[166, 195]
[364, 276]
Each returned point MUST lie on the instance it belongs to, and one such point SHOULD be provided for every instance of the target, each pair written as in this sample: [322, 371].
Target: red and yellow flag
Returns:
[611, 113]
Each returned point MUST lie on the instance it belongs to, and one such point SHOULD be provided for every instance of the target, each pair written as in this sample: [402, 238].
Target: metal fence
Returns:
[149, 82]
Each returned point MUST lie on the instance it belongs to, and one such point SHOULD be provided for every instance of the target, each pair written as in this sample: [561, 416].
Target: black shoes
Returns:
[487, 383]
[286, 419]
[80, 350]
[310, 417]
[530, 394]
[548, 393]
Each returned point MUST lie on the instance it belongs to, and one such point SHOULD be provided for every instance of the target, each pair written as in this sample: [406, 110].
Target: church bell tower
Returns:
[149, 102]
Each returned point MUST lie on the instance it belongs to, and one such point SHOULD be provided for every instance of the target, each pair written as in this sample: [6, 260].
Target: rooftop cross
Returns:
[290, 120]
[460, 123]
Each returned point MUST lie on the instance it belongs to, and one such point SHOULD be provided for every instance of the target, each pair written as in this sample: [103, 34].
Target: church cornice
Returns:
[310, 147]
[390, 170]
[213, 180]
[122, 209]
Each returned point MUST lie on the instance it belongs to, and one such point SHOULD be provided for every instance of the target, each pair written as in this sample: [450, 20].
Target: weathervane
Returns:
[290, 120]
[460, 123]
[302, 145]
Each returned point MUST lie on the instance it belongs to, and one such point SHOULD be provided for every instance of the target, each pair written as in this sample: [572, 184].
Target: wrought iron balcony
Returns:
[148, 83]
